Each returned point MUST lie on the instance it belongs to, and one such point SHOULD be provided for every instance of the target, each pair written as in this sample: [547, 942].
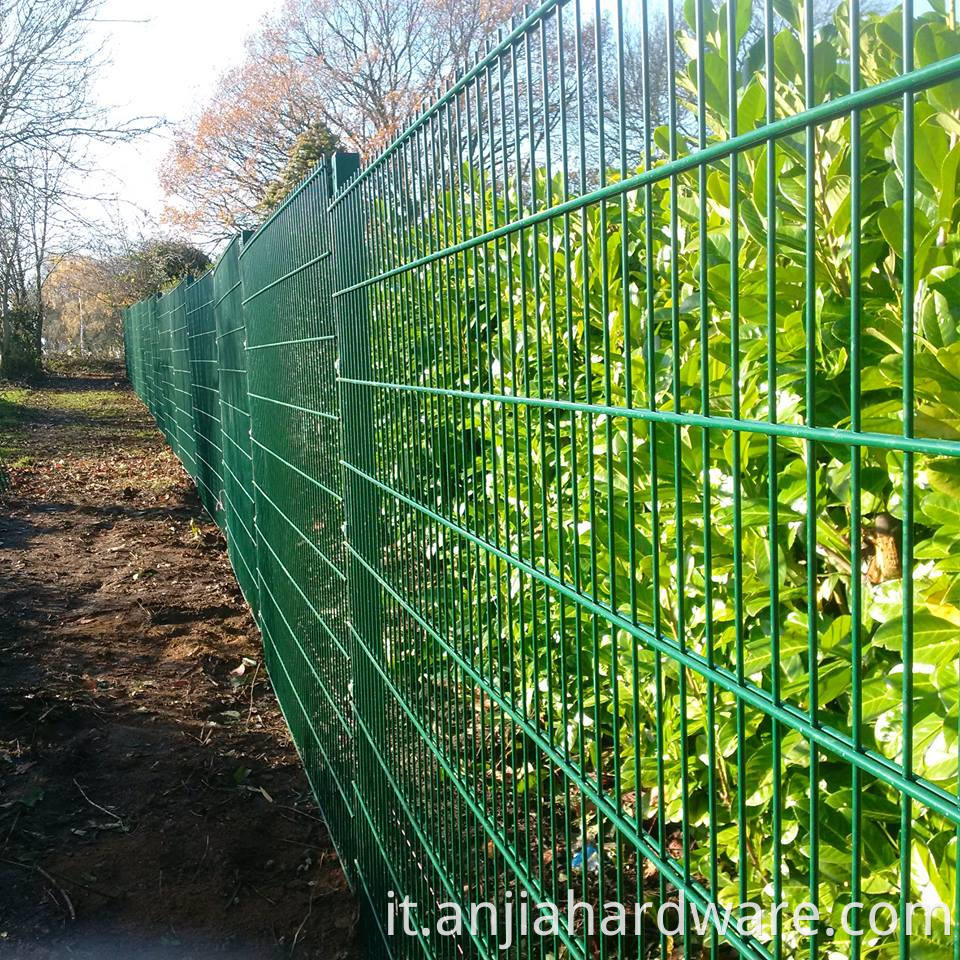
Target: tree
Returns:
[32, 203]
[153, 266]
[332, 73]
[306, 152]
[225, 160]
[85, 294]
[377, 61]
[46, 72]
[82, 312]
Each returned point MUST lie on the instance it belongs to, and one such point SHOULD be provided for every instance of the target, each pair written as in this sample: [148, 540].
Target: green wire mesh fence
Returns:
[205, 377]
[291, 350]
[589, 459]
[237, 475]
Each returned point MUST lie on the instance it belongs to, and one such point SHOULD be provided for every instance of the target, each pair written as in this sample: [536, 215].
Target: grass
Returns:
[12, 400]
[97, 404]
[12, 403]
[86, 425]
[66, 366]
[82, 414]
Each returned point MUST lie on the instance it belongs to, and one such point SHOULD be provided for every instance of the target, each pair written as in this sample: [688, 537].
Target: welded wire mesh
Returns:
[147, 320]
[181, 378]
[138, 350]
[605, 464]
[205, 383]
[163, 375]
[291, 351]
[238, 494]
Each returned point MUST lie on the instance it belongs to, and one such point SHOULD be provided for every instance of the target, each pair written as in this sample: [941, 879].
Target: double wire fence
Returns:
[589, 460]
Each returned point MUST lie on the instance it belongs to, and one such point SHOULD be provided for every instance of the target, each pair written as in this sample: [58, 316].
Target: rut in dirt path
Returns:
[151, 801]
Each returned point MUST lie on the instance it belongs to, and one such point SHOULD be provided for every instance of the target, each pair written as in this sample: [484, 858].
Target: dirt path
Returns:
[151, 802]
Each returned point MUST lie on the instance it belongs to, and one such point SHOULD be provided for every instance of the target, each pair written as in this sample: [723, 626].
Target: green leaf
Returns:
[744, 16]
[944, 477]
[879, 694]
[942, 509]
[935, 42]
[948, 185]
[931, 146]
[935, 641]
[792, 12]
[890, 222]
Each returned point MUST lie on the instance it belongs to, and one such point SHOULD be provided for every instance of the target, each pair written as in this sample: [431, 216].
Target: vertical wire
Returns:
[514, 623]
[703, 241]
[555, 421]
[447, 337]
[501, 524]
[521, 360]
[536, 316]
[856, 536]
[483, 630]
[413, 335]
[588, 378]
[677, 476]
[561, 546]
[772, 490]
[425, 370]
[810, 280]
[464, 324]
[650, 372]
[906, 560]
[734, 187]
[630, 517]
[604, 318]
[458, 551]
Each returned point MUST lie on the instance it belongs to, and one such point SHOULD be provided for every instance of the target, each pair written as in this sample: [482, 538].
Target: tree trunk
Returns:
[21, 356]
[6, 343]
[38, 330]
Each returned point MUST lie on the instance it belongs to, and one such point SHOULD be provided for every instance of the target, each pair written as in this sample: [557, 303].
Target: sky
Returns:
[164, 59]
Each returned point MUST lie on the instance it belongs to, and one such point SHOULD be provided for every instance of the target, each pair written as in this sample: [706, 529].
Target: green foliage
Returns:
[664, 528]
[159, 265]
[19, 359]
[307, 151]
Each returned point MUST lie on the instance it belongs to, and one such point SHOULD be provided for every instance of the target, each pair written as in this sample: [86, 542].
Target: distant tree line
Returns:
[84, 294]
[49, 118]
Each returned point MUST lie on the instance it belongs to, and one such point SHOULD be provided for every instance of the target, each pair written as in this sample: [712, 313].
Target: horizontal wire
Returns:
[883, 441]
[920, 79]
[296, 469]
[319, 258]
[293, 406]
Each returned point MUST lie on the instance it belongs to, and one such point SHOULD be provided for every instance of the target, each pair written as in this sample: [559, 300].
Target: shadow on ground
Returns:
[151, 803]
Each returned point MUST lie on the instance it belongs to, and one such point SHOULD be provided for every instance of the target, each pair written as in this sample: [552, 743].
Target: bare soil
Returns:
[151, 802]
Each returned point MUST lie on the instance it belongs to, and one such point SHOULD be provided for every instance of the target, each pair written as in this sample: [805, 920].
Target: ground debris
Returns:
[124, 717]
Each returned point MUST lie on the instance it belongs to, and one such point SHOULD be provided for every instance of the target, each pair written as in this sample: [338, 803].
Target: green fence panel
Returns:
[291, 353]
[132, 351]
[238, 494]
[182, 379]
[142, 317]
[166, 408]
[152, 319]
[139, 359]
[205, 382]
[599, 676]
